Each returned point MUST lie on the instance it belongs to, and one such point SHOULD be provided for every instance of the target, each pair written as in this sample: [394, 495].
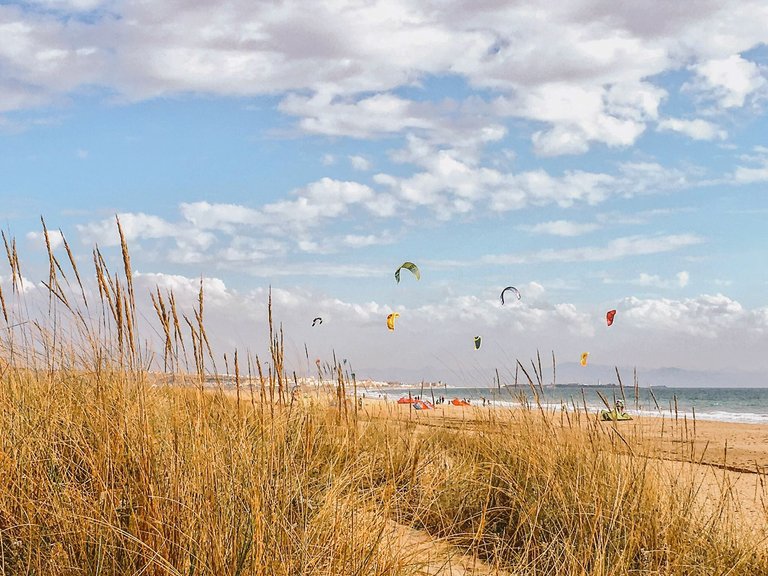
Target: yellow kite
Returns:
[584, 356]
[391, 320]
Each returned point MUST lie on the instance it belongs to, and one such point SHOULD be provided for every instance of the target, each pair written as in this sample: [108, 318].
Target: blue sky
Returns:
[595, 156]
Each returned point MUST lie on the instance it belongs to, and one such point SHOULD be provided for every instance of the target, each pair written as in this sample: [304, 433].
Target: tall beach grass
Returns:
[119, 456]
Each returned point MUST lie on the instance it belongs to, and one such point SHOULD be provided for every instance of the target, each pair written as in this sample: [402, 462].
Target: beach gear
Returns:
[609, 415]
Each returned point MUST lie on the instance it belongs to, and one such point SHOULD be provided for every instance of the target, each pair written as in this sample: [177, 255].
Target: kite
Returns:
[408, 266]
[391, 320]
[584, 356]
[511, 289]
[317, 320]
[478, 341]
[609, 316]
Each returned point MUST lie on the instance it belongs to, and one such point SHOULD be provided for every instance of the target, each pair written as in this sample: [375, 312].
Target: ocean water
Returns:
[748, 405]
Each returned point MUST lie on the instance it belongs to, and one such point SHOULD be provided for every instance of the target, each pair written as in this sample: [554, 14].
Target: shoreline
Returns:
[732, 445]
[727, 460]
[664, 408]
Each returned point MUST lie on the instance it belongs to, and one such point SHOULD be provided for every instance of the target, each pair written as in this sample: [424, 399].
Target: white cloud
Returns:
[320, 200]
[207, 216]
[730, 80]
[375, 115]
[614, 250]
[614, 115]
[249, 249]
[708, 316]
[680, 280]
[531, 315]
[756, 173]
[360, 163]
[185, 288]
[360, 241]
[745, 175]
[452, 183]
[55, 238]
[581, 69]
[189, 243]
[697, 129]
[638, 178]
[562, 228]
[135, 226]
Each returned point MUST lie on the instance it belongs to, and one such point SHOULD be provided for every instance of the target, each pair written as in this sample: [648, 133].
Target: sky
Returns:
[596, 155]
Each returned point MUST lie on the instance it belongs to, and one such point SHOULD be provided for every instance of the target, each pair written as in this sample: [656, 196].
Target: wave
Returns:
[593, 408]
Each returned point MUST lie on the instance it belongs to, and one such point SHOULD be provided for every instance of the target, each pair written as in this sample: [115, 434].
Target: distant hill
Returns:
[573, 373]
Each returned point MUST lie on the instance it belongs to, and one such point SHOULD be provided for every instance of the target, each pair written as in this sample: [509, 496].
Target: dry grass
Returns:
[105, 469]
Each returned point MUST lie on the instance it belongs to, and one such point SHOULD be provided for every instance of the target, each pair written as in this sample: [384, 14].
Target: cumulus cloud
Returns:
[185, 288]
[321, 200]
[205, 215]
[696, 129]
[614, 115]
[188, 243]
[55, 239]
[583, 73]
[729, 80]
[680, 280]
[451, 183]
[708, 316]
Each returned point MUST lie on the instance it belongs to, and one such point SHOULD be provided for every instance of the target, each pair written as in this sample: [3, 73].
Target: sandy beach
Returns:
[728, 461]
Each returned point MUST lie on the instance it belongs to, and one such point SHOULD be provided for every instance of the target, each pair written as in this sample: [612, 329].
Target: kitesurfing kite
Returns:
[408, 266]
[609, 316]
[512, 289]
[317, 320]
[391, 320]
[478, 341]
[584, 356]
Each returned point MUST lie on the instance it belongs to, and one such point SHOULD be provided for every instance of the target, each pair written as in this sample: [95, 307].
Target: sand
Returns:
[729, 461]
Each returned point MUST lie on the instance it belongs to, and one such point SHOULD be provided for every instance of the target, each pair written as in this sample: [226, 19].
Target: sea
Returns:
[748, 405]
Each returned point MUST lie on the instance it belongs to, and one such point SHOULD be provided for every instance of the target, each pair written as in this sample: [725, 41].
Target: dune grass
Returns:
[110, 468]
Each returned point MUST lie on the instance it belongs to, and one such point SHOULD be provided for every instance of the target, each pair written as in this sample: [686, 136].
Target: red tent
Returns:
[457, 402]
